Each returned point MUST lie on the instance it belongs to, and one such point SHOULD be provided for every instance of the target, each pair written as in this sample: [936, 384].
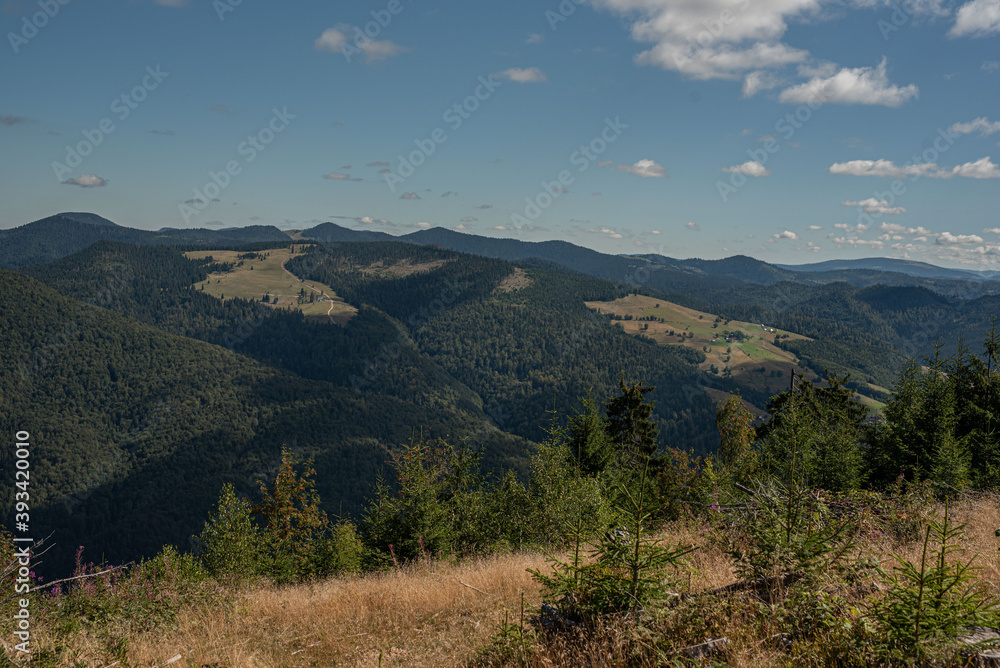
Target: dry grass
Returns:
[417, 616]
[441, 614]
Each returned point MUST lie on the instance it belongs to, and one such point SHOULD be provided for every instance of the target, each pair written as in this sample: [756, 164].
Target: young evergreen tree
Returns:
[814, 436]
[630, 425]
[588, 438]
[294, 524]
[734, 422]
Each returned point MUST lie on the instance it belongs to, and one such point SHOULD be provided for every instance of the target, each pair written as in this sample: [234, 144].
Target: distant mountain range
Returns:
[57, 236]
[908, 267]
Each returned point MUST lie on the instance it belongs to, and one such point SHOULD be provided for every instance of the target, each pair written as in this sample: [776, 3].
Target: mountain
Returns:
[246, 235]
[330, 232]
[738, 267]
[908, 267]
[89, 218]
[60, 235]
[57, 236]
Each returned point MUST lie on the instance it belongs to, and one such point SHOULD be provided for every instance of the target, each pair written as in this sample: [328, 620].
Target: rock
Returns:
[987, 657]
[979, 634]
[620, 536]
[711, 647]
[551, 618]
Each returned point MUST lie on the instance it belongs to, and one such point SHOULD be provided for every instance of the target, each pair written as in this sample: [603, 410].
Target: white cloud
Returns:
[534, 38]
[877, 206]
[336, 176]
[469, 219]
[332, 39]
[422, 225]
[658, 232]
[644, 169]
[884, 168]
[604, 229]
[693, 226]
[759, 80]
[990, 66]
[851, 85]
[855, 241]
[988, 254]
[87, 181]
[896, 229]
[992, 230]
[381, 50]
[787, 234]
[949, 239]
[337, 39]
[981, 125]
[523, 75]
[814, 228]
[861, 227]
[679, 31]
[977, 19]
[750, 168]
[983, 168]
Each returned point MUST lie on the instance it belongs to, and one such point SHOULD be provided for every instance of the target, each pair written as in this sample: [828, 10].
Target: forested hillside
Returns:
[521, 337]
[135, 430]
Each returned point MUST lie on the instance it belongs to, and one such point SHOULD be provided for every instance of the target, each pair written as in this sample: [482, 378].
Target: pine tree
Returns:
[588, 439]
[630, 425]
[295, 524]
[734, 421]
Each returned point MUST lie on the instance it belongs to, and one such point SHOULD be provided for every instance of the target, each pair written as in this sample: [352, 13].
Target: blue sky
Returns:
[790, 130]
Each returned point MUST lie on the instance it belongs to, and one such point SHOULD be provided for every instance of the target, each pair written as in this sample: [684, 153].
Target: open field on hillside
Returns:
[264, 273]
[754, 361]
[439, 614]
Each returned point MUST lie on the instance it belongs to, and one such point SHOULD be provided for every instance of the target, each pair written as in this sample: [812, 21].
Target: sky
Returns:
[793, 131]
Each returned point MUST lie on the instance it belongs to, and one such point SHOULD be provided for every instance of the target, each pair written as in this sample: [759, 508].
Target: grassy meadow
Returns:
[265, 274]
